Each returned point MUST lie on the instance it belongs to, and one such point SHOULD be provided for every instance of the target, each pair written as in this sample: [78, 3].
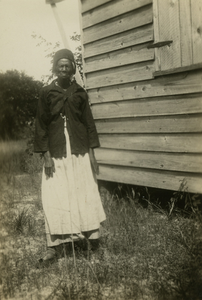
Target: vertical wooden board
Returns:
[196, 15]
[156, 34]
[185, 32]
[169, 29]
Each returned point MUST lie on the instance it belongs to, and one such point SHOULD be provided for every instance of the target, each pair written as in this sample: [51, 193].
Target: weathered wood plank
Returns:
[119, 75]
[90, 4]
[186, 143]
[151, 160]
[158, 179]
[175, 84]
[169, 29]
[177, 70]
[165, 124]
[119, 24]
[110, 10]
[120, 41]
[173, 105]
[122, 57]
[156, 34]
[196, 16]
[185, 32]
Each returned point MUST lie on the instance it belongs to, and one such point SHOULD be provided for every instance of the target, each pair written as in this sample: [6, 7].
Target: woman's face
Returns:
[64, 69]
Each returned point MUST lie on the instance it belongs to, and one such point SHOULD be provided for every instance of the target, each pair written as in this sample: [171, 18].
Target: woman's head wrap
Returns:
[63, 53]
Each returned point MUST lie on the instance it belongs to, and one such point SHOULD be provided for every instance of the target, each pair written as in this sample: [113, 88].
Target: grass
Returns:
[145, 252]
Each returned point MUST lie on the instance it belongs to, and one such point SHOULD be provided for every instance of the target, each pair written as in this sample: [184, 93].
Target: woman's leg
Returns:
[92, 238]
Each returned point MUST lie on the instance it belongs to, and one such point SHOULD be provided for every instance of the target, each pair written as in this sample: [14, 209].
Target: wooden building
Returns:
[143, 73]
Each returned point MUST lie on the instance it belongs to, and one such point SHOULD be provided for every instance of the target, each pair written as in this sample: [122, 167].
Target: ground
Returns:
[144, 253]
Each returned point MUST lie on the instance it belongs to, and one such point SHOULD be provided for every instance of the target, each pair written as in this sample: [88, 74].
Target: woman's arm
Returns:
[41, 125]
[92, 132]
[93, 161]
[88, 120]
[48, 164]
[41, 144]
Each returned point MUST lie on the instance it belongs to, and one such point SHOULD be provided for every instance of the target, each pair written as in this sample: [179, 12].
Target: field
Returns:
[150, 247]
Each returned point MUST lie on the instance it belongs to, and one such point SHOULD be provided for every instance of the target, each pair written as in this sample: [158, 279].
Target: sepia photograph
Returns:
[101, 149]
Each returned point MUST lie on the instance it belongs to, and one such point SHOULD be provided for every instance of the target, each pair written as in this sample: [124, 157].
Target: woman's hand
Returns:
[93, 161]
[48, 165]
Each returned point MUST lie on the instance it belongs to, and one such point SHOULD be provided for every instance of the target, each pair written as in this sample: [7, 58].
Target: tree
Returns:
[78, 53]
[51, 48]
[19, 95]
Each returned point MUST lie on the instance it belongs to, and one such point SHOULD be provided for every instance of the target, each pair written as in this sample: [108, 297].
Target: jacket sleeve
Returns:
[89, 123]
[41, 125]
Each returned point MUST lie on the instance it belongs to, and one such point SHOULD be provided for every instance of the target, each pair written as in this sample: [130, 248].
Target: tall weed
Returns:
[144, 253]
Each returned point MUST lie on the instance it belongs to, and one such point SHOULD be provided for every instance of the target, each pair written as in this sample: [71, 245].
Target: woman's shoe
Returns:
[49, 258]
[94, 244]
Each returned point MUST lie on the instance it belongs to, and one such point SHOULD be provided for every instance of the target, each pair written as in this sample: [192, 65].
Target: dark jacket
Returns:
[72, 103]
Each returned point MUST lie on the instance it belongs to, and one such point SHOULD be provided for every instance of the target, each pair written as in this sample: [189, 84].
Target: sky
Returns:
[20, 19]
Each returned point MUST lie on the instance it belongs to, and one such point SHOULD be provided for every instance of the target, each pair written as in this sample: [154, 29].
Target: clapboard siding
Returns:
[151, 160]
[107, 11]
[119, 41]
[176, 84]
[119, 24]
[153, 178]
[176, 143]
[90, 4]
[121, 57]
[167, 124]
[149, 126]
[119, 75]
[170, 105]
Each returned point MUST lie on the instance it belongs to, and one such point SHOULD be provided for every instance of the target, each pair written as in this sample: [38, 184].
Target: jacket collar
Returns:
[73, 88]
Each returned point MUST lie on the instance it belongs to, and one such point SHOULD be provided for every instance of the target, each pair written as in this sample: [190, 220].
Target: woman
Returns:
[66, 136]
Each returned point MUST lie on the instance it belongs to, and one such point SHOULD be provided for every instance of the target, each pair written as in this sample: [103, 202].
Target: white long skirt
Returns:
[71, 200]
